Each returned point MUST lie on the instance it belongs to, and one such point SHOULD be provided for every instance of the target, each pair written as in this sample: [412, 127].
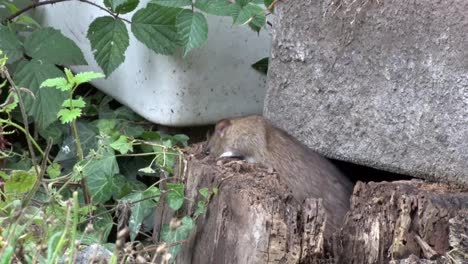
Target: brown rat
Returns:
[306, 173]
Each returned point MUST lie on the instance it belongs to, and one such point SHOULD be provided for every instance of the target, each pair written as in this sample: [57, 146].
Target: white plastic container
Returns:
[212, 82]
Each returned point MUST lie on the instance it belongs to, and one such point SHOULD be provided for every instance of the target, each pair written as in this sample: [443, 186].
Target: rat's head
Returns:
[238, 137]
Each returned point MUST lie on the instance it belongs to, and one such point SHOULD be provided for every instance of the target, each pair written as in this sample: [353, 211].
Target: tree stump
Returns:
[254, 219]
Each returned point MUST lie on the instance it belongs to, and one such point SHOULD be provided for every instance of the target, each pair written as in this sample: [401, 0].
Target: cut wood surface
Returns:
[254, 219]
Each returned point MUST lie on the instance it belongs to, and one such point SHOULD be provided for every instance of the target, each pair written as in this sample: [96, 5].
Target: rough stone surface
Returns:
[378, 83]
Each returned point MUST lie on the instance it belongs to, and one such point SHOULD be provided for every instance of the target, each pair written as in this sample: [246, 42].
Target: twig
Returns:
[40, 175]
[427, 250]
[37, 4]
[25, 119]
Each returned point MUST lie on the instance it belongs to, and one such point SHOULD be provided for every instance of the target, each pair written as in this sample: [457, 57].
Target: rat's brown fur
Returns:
[307, 173]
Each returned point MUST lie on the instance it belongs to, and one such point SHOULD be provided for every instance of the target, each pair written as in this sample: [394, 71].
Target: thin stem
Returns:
[20, 128]
[37, 4]
[40, 176]
[24, 117]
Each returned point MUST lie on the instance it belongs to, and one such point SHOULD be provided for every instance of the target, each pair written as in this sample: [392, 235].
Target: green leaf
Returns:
[200, 209]
[84, 77]
[10, 45]
[100, 176]
[246, 13]
[154, 26]
[48, 44]
[20, 182]
[172, 3]
[217, 7]
[53, 170]
[175, 197]
[267, 3]
[215, 190]
[257, 22]
[121, 6]
[122, 145]
[181, 138]
[204, 192]
[143, 204]
[106, 126]
[47, 102]
[192, 29]
[60, 83]
[109, 41]
[72, 103]
[261, 65]
[68, 115]
[179, 234]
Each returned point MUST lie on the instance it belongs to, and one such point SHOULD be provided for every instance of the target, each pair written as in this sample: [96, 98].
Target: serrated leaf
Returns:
[217, 7]
[172, 3]
[154, 26]
[47, 102]
[257, 22]
[60, 83]
[179, 234]
[261, 65]
[246, 13]
[68, 115]
[109, 41]
[175, 197]
[20, 182]
[48, 44]
[121, 6]
[72, 103]
[101, 176]
[10, 45]
[192, 29]
[122, 145]
[53, 170]
[84, 77]
[143, 204]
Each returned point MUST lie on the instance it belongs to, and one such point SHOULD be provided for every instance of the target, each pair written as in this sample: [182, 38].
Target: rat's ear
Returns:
[221, 127]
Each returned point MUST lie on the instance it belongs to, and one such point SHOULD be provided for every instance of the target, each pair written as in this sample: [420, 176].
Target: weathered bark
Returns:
[254, 220]
[394, 220]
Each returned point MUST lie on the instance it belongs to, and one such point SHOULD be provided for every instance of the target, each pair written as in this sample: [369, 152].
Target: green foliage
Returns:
[261, 65]
[121, 6]
[143, 204]
[49, 45]
[192, 29]
[109, 41]
[176, 195]
[175, 234]
[10, 44]
[97, 154]
[154, 26]
[71, 109]
[46, 103]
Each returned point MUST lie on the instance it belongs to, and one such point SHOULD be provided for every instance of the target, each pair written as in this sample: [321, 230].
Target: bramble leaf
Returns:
[10, 45]
[68, 115]
[192, 29]
[109, 41]
[154, 26]
[46, 102]
[48, 44]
